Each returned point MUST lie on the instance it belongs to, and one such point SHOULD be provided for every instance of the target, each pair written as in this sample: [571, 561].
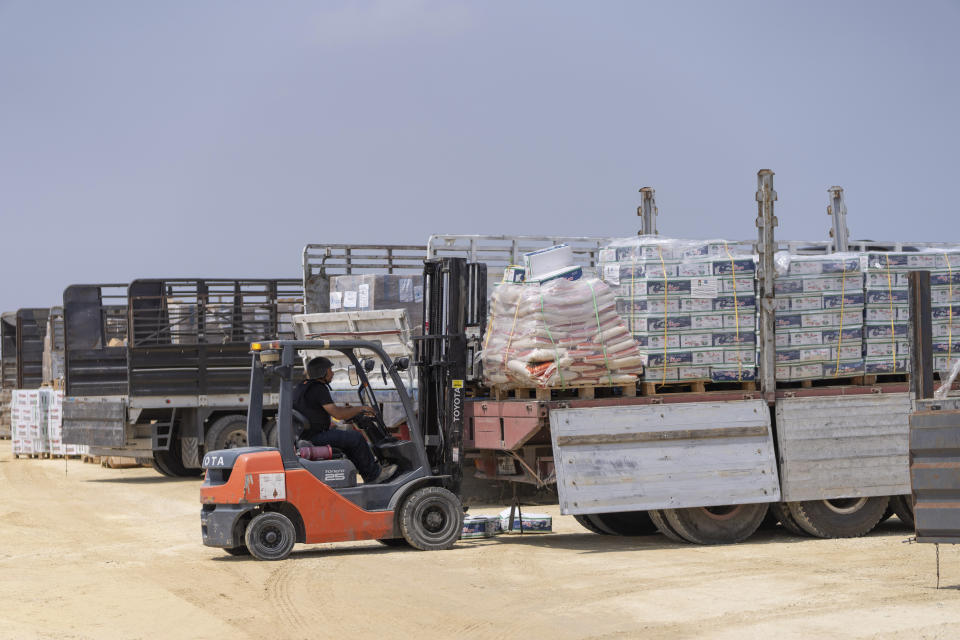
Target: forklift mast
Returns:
[454, 312]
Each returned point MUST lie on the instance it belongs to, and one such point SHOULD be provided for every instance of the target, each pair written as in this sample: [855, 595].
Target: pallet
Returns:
[840, 381]
[32, 456]
[546, 394]
[119, 462]
[90, 459]
[653, 388]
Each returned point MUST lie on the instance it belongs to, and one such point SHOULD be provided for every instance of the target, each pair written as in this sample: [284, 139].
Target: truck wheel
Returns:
[840, 517]
[626, 523]
[431, 519]
[270, 536]
[170, 462]
[781, 512]
[587, 523]
[903, 507]
[227, 432]
[660, 520]
[726, 524]
[270, 434]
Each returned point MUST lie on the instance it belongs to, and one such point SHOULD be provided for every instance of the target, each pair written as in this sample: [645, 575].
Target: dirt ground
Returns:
[89, 552]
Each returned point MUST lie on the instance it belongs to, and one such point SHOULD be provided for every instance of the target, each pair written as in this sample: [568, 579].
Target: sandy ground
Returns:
[88, 552]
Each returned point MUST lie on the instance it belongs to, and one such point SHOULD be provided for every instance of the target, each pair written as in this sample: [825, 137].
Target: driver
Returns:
[312, 398]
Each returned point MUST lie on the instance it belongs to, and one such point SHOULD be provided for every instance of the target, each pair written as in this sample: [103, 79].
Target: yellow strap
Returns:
[506, 350]
[556, 352]
[843, 296]
[603, 343]
[663, 266]
[949, 312]
[893, 333]
[633, 280]
[736, 310]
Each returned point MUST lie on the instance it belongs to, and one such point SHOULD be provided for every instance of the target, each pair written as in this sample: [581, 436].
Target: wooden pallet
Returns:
[32, 456]
[545, 394]
[90, 459]
[119, 462]
[858, 381]
[654, 388]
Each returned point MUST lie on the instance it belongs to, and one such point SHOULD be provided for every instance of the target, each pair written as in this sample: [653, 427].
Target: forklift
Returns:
[262, 500]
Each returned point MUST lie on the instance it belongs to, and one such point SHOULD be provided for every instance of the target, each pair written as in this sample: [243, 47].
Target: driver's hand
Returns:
[370, 411]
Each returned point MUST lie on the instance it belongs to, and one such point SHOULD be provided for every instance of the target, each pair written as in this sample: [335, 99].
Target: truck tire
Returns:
[270, 434]
[660, 521]
[270, 536]
[431, 519]
[587, 523]
[839, 518]
[781, 512]
[726, 524]
[626, 523]
[227, 432]
[903, 507]
[170, 462]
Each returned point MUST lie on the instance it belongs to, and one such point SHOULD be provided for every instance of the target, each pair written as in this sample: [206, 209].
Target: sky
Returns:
[216, 139]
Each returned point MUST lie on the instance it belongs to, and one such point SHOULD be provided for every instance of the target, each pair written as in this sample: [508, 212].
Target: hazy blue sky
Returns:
[144, 139]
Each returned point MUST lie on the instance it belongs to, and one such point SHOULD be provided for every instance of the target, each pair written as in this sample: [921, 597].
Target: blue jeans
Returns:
[354, 446]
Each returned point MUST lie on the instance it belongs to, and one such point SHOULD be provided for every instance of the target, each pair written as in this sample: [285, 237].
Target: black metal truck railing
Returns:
[95, 338]
[31, 329]
[192, 336]
[8, 350]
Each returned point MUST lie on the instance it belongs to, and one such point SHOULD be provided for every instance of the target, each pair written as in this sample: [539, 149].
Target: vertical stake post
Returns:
[766, 222]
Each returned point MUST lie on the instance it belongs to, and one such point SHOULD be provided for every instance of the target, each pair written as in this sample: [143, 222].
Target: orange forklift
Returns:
[262, 500]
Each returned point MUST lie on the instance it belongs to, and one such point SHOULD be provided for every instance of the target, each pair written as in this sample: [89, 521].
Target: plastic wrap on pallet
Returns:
[887, 308]
[690, 305]
[370, 292]
[560, 333]
[29, 421]
[819, 316]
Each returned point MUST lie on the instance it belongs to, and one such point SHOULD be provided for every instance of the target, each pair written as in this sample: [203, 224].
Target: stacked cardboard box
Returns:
[37, 421]
[28, 422]
[887, 313]
[689, 304]
[819, 316]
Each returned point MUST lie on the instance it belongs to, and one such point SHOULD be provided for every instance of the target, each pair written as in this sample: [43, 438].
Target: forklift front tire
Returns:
[431, 519]
[270, 536]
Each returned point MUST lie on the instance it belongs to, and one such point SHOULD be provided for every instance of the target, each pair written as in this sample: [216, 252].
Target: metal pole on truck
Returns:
[838, 210]
[647, 212]
[766, 222]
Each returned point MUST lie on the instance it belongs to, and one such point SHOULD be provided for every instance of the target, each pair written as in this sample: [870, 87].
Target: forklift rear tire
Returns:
[393, 542]
[238, 551]
[431, 519]
[270, 536]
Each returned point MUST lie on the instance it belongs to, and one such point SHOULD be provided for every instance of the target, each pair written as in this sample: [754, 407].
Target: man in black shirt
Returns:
[312, 398]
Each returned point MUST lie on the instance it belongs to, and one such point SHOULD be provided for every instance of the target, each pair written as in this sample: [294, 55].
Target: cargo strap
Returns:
[556, 351]
[843, 298]
[603, 343]
[893, 331]
[666, 289]
[736, 312]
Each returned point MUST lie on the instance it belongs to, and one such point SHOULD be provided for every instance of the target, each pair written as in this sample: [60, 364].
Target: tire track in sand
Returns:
[279, 595]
